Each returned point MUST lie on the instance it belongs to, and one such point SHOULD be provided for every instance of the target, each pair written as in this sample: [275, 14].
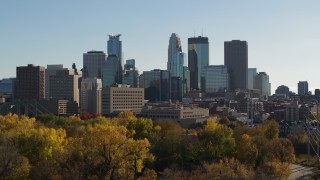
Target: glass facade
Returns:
[157, 85]
[93, 64]
[215, 78]
[115, 47]
[252, 73]
[263, 84]
[198, 58]
[112, 73]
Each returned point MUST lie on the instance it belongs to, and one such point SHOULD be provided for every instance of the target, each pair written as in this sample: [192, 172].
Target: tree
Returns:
[270, 129]
[141, 127]
[247, 151]
[217, 141]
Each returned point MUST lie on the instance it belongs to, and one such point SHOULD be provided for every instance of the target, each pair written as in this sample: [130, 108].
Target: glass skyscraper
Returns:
[215, 78]
[198, 58]
[93, 64]
[112, 72]
[252, 73]
[115, 47]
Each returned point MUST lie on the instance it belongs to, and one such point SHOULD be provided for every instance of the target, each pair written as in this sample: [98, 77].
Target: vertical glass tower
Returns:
[175, 56]
[115, 47]
[198, 58]
[112, 72]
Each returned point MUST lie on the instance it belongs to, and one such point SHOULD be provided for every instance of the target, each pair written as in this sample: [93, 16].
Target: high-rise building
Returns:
[236, 60]
[88, 84]
[175, 56]
[252, 73]
[198, 58]
[115, 47]
[215, 78]
[93, 62]
[303, 88]
[64, 85]
[122, 98]
[130, 73]
[29, 84]
[7, 89]
[112, 73]
[263, 84]
[50, 71]
[185, 80]
[156, 84]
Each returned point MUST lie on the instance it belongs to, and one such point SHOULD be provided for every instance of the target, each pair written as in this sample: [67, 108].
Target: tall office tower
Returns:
[112, 72]
[215, 78]
[175, 56]
[303, 88]
[157, 85]
[115, 47]
[93, 64]
[29, 83]
[236, 60]
[88, 84]
[50, 71]
[130, 73]
[185, 80]
[282, 90]
[263, 84]
[198, 58]
[64, 85]
[252, 73]
[7, 89]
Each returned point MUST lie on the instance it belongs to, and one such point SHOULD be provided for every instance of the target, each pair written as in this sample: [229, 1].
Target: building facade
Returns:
[50, 71]
[30, 82]
[157, 85]
[282, 90]
[252, 74]
[122, 98]
[115, 47]
[130, 73]
[236, 60]
[88, 85]
[303, 88]
[64, 85]
[112, 72]
[198, 58]
[93, 62]
[263, 84]
[215, 78]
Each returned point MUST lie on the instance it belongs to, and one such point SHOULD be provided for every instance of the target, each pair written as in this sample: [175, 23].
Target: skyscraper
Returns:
[263, 84]
[93, 64]
[112, 72]
[303, 88]
[115, 47]
[29, 83]
[198, 58]
[130, 74]
[87, 85]
[236, 60]
[175, 56]
[252, 73]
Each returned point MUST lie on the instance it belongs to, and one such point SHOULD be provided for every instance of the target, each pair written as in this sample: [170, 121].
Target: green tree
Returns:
[247, 151]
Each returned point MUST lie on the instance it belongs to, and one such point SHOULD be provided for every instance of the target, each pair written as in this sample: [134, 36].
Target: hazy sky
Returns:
[283, 35]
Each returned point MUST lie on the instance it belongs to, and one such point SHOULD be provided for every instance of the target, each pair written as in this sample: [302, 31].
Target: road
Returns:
[299, 172]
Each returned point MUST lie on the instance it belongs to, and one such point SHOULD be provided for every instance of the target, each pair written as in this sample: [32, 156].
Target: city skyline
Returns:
[282, 36]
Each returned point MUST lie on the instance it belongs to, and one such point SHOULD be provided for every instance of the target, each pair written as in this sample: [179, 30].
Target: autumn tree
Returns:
[247, 151]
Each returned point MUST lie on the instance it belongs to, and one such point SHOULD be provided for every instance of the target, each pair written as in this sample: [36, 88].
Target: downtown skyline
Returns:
[282, 36]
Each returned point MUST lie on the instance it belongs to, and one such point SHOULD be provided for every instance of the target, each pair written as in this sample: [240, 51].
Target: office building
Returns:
[50, 71]
[252, 74]
[263, 84]
[236, 60]
[198, 58]
[185, 80]
[122, 98]
[29, 84]
[64, 85]
[93, 62]
[115, 47]
[303, 88]
[215, 78]
[130, 73]
[87, 92]
[156, 84]
[112, 72]
[176, 57]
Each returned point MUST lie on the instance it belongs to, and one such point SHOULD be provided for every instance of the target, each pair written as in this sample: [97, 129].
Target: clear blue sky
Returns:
[283, 36]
